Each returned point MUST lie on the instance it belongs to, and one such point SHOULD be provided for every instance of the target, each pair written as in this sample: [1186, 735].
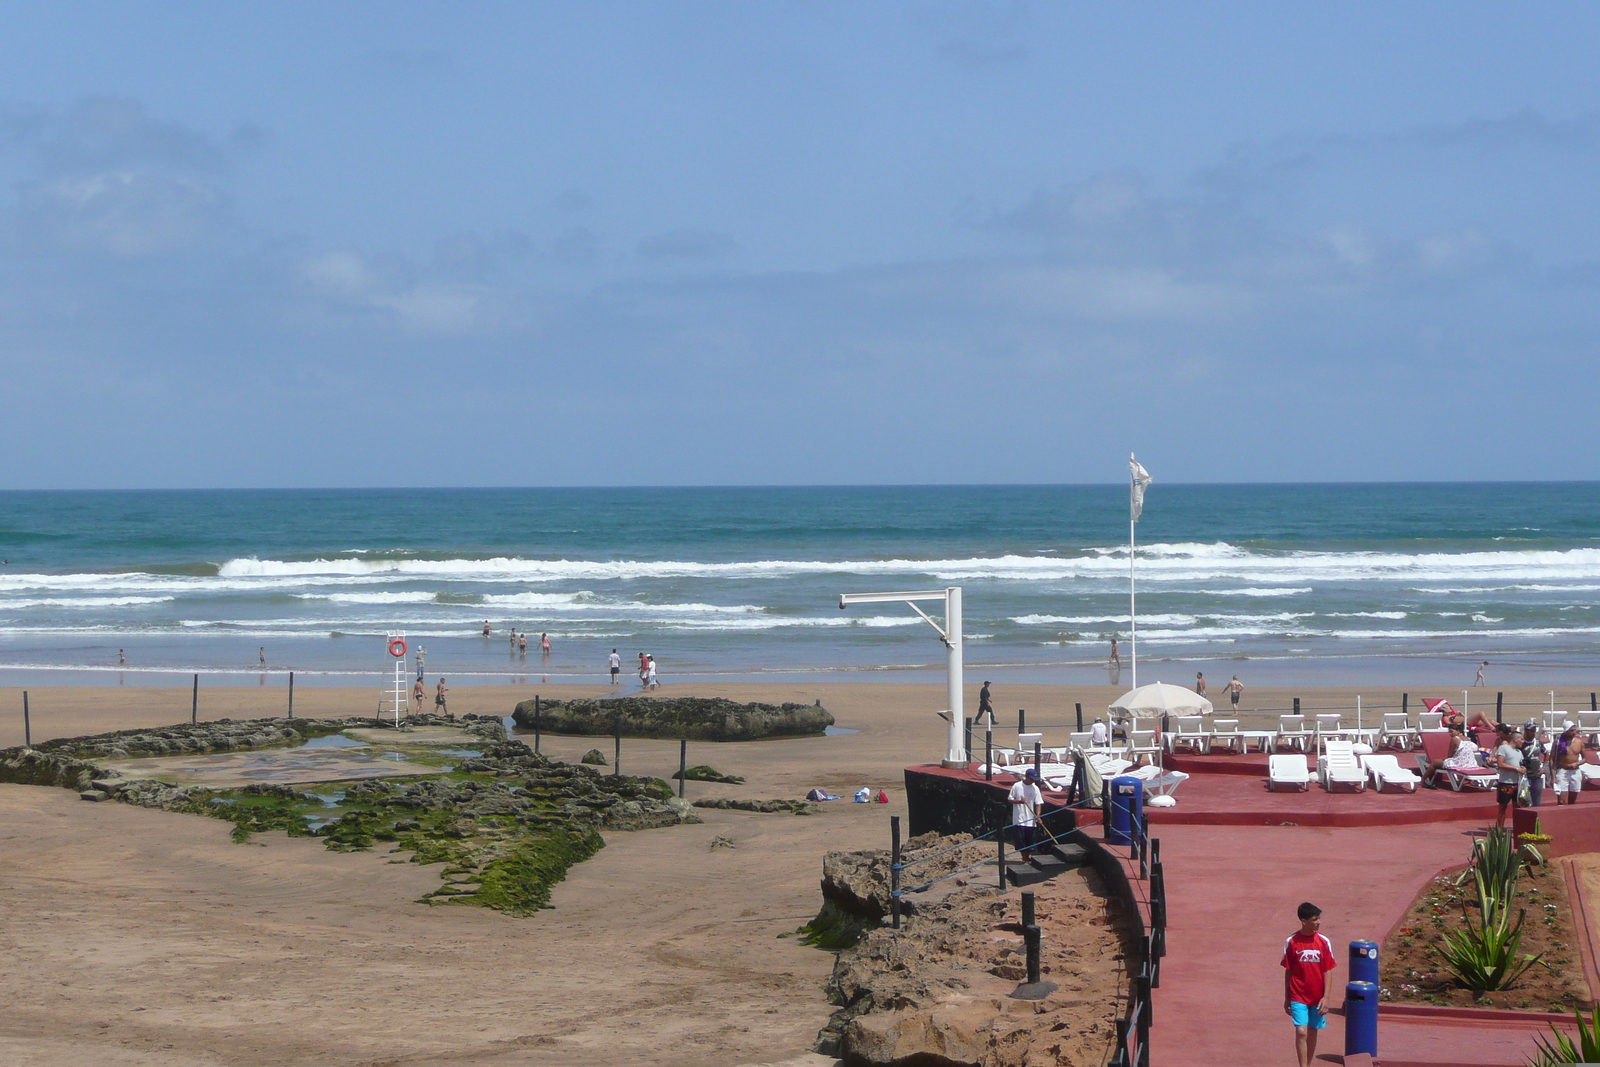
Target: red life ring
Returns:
[397, 648]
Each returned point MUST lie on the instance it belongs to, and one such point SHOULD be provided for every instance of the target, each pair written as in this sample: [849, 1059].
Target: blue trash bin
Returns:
[1127, 809]
[1364, 962]
[1361, 1018]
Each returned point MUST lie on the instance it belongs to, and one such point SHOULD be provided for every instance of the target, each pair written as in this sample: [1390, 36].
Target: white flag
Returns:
[1141, 478]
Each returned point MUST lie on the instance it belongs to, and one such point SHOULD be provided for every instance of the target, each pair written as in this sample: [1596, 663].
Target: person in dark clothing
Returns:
[984, 706]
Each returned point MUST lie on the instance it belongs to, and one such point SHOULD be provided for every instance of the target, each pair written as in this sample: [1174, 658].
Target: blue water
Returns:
[1281, 583]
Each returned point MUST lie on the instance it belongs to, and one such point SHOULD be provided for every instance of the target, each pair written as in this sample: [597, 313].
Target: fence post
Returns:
[537, 716]
[968, 748]
[1297, 705]
[683, 765]
[894, 870]
[616, 767]
[1142, 842]
[1030, 937]
[27, 723]
[988, 751]
[291, 694]
[194, 703]
[1592, 705]
[1022, 721]
[1080, 716]
[1038, 755]
[1000, 839]
[1499, 706]
[1405, 704]
[1105, 809]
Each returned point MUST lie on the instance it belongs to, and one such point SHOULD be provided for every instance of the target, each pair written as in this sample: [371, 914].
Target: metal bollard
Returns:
[988, 752]
[27, 723]
[683, 765]
[1000, 839]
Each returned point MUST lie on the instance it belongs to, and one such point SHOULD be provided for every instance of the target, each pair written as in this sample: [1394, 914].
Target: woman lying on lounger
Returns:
[1463, 755]
[1453, 719]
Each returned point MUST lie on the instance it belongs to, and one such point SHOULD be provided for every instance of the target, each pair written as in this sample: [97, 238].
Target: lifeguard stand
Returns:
[397, 650]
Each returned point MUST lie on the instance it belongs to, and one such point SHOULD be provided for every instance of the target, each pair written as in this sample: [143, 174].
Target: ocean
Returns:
[1280, 584]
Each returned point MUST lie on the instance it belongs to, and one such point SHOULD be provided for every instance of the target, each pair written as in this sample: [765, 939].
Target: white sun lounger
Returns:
[1188, 730]
[1430, 720]
[1337, 767]
[1388, 775]
[1288, 772]
[1225, 733]
[1397, 731]
[1292, 728]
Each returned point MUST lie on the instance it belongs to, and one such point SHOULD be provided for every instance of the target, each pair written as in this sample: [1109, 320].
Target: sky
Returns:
[398, 244]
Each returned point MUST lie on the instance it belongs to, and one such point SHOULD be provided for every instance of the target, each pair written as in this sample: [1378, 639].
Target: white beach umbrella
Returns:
[1150, 701]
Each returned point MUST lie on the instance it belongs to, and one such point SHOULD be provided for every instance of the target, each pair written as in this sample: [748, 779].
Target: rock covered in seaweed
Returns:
[694, 718]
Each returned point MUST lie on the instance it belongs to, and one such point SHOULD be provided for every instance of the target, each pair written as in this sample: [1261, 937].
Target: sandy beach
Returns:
[145, 937]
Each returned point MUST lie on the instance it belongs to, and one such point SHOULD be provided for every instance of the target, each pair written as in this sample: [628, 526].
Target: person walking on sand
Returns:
[1307, 959]
[614, 661]
[1199, 683]
[439, 705]
[1116, 657]
[417, 694]
[985, 707]
[644, 671]
[1479, 680]
[1233, 689]
[651, 681]
[1507, 760]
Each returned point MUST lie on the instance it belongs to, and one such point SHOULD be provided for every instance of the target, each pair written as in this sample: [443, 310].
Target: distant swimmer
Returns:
[1116, 657]
[122, 661]
[614, 661]
[544, 643]
[511, 636]
[486, 627]
[1479, 680]
[263, 654]
[522, 643]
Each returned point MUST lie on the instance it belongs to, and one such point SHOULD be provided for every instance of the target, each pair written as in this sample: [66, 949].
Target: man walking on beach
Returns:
[984, 706]
[1479, 680]
[1233, 689]
[417, 695]
[439, 704]
[614, 661]
[1026, 800]
[1200, 683]
[1307, 959]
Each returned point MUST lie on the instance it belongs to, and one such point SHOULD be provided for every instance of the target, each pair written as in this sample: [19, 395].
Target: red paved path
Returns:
[1231, 895]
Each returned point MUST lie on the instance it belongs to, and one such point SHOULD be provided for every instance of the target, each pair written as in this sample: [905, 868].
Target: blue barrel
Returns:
[1364, 962]
[1127, 809]
[1361, 1018]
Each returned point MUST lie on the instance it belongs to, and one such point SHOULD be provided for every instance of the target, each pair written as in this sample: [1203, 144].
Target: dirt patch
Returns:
[1413, 971]
[938, 991]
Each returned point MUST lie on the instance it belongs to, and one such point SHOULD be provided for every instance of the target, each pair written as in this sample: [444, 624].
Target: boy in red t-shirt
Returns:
[1307, 958]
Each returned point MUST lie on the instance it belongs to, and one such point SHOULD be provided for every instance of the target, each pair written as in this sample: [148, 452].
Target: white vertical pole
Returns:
[956, 756]
[1133, 615]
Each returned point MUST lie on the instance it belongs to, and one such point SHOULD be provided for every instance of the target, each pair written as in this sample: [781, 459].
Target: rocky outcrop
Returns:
[769, 807]
[694, 718]
[937, 991]
[221, 735]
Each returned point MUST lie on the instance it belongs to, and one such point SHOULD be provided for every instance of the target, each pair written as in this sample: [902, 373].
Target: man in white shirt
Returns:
[614, 661]
[1098, 734]
[1026, 802]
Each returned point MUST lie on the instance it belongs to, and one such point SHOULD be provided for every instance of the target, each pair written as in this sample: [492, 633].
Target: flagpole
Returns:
[1133, 615]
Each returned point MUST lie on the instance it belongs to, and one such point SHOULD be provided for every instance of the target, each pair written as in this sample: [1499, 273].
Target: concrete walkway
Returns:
[1231, 895]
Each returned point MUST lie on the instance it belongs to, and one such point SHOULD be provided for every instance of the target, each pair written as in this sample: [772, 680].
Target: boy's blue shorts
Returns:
[1306, 1015]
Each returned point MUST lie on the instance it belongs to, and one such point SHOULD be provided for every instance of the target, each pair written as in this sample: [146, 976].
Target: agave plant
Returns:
[1484, 957]
[1565, 1050]
[1495, 868]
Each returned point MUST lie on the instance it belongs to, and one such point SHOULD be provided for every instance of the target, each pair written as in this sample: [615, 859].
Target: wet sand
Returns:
[144, 937]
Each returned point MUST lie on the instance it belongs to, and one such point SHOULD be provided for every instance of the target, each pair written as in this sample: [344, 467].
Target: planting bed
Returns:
[1413, 971]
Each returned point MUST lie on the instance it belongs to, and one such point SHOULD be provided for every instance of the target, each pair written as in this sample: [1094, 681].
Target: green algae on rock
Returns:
[691, 718]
